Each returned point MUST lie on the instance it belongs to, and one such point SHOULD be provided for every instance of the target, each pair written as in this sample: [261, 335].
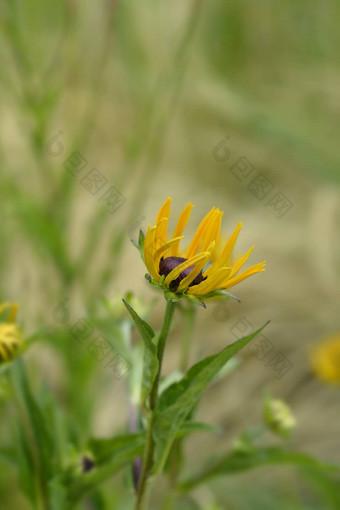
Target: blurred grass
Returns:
[145, 92]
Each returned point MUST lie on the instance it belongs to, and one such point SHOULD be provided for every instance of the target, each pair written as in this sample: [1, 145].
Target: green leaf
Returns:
[228, 295]
[8, 456]
[97, 501]
[195, 299]
[143, 327]
[169, 379]
[38, 434]
[104, 449]
[189, 427]
[177, 401]
[26, 468]
[238, 461]
[57, 494]
[150, 363]
[141, 242]
[326, 485]
[114, 455]
[221, 295]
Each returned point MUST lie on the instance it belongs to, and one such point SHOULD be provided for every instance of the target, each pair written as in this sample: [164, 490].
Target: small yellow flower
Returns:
[202, 270]
[10, 334]
[325, 359]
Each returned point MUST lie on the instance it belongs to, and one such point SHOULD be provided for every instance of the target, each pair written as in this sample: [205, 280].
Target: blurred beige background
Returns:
[145, 92]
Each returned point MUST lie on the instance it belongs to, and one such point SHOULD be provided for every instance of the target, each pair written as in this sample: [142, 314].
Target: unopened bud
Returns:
[278, 417]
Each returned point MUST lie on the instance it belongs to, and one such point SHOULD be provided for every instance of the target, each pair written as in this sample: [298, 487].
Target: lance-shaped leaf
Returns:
[177, 401]
[238, 461]
[150, 364]
[190, 427]
[57, 494]
[104, 449]
[140, 243]
[38, 434]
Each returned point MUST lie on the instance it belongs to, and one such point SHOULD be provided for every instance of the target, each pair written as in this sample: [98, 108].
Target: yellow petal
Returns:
[188, 263]
[257, 268]
[164, 211]
[197, 239]
[161, 232]
[175, 241]
[198, 268]
[224, 258]
[182, 221]
[211, 283]
[324, 359]
[3, 353]
[10, 338]
[213, 230]
[192, 275]
[149, 250]
[240, 262]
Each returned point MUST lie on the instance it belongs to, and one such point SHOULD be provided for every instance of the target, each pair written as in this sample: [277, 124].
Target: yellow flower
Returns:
[10, 334]
[325, 359]
[202, 270]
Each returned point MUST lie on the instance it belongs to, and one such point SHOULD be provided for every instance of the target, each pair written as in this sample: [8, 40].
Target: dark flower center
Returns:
[167, 264]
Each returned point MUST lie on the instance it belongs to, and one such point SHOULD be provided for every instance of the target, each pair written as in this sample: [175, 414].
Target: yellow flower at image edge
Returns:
[325, 359]
[199, 271]
[10, 334]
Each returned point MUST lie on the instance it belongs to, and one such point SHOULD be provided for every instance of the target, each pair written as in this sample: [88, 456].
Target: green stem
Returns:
[176, 453]
[150, 445]
[190, 315]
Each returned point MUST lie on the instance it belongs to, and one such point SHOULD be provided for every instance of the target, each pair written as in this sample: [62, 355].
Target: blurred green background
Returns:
[145, 92]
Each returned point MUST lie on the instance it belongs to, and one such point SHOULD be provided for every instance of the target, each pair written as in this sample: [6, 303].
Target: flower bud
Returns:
[10, 333]
[278, 417]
